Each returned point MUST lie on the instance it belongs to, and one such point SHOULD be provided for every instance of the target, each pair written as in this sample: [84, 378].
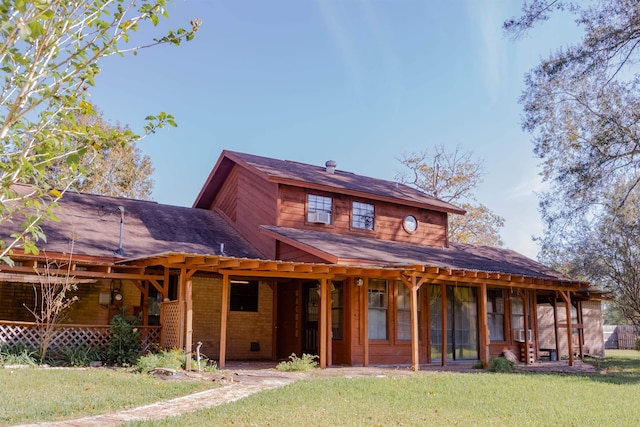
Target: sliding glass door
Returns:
[462, 322]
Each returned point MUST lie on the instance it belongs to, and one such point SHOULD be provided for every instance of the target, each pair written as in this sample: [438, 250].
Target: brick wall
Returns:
[243, 328]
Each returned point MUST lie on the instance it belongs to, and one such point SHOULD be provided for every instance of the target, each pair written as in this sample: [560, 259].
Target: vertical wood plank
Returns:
[443, 305]
[484, 326]
[365, 322]
[189, 321]
[224, 312]
[329, 325]
[322, 341]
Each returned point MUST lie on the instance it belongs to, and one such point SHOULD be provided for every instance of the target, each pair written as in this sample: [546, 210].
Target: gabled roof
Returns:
[344, 249]
[316, 177]
[93, 222]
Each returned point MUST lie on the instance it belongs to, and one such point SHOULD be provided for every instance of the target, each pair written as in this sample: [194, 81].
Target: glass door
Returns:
[462, 322]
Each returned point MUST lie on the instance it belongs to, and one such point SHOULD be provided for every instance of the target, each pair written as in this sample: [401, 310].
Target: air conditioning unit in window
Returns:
[319, 217]
[518, 335]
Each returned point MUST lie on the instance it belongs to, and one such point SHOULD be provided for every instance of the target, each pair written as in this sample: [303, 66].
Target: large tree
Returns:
[582, 106]
[453, 177]
[50, 52]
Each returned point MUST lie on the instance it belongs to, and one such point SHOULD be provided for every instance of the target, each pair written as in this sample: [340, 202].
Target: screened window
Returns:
[378, 309]
[403, 307]
[243, 296]
[362, 216]
[317, 203]
[337, 311]
[495, 314]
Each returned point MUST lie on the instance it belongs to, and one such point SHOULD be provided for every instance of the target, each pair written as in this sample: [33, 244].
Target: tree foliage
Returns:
[50, 51]
[582, 106]
[452, 177]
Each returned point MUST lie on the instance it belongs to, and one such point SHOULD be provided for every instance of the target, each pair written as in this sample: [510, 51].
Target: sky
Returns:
[361, 82]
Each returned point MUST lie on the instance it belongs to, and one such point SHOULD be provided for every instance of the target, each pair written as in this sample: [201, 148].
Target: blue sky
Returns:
[359, 82]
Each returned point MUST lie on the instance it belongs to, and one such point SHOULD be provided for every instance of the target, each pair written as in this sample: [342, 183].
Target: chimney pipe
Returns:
[120, 251]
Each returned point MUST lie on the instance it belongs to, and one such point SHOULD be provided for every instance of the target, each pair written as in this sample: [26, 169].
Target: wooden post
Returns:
[484, 326]
[567, 302]
[443, 305]
[181, 303]
[189, 320]
[365, 322]
[224, 311]
[145, 303]
[322, 341]
[415, 338]
[525, 310]
[329, 324]
[274, 320]
[555, 325]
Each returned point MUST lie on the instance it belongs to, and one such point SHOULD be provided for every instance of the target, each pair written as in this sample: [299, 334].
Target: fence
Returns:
[619, 336]
[97, 336]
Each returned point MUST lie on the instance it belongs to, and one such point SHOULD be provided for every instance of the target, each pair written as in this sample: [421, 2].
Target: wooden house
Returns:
[278, 257]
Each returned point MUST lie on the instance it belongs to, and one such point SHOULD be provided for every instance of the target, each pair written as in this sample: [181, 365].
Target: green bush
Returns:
[636, 345]
[124, 347]
[295, 363]
[79, 355]
[501, 365]
[478, 365]
[18, 354]
[170, 359]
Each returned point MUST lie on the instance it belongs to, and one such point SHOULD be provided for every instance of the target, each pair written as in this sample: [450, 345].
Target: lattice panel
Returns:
[170, 319]
[69, 336]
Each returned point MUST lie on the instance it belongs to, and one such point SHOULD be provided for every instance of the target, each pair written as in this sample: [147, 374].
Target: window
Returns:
[403, 307]
[378, 303]
[517, 312]
[244, 296]
[495, 314]
[337, 310]
[362, 216]
[317, 203]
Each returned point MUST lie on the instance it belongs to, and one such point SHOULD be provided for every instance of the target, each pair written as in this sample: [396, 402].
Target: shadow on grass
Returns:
[617, 370]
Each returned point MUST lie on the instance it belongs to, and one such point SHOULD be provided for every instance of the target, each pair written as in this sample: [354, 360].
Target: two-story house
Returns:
[279, 257]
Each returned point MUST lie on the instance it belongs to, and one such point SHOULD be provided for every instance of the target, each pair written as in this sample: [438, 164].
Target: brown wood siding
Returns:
[388, 218]
[289, 253]
[249, 201]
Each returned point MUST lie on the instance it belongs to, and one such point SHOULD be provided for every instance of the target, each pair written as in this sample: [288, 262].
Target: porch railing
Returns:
[97, 336]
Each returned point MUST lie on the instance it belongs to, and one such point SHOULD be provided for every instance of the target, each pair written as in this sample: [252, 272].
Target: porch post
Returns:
[484, 326]
[567, 303]
[555, 325]
[443, 299]
[189, 327]
[329, 324]
[364, 315]
[525, 301]
[181, 304]
[224, 310]
[322, 341]
[415, 339]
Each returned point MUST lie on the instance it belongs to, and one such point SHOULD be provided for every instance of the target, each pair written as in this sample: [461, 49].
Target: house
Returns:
[278, 257]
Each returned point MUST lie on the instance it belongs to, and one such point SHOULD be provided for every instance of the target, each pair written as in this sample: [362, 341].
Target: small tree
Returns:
[52, 301]
[124, 347]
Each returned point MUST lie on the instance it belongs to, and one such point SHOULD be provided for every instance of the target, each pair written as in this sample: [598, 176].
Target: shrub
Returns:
[170, 359]
[18, 354]
[79, 355]
[295, 363]
[501, 365]
[636, 345]
[478, 365]
[124, 347]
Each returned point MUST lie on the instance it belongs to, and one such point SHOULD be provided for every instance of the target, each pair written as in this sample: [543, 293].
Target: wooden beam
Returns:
[224, 310]
[415, 337]
[364, 315]
[484, 326]
[322, 339]
[566, 297]
[189, 323]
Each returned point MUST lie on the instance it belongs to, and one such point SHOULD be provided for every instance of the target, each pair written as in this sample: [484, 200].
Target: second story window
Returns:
[319, 209]
[362, 216]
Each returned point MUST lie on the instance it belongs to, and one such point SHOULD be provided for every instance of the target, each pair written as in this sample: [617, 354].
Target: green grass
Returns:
[442, 399]
[29, 395]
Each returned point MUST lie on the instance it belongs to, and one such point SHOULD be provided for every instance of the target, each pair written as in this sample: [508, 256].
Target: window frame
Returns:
[241, 295]
[360, 216]
[401, 287]
[318, 203]
[381, 306]
[494, 312]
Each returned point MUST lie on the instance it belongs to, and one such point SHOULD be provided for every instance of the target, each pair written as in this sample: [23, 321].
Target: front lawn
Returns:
[442, 399]
[33, 394]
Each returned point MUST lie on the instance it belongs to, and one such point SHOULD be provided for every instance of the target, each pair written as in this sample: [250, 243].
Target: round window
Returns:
[410, 223]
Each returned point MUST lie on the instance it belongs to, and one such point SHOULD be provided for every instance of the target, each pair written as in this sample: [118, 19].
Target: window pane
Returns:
[317, 203]
[244, 296]
[403, 306]
[378, 297]
[337, 311]
[362, 216]
[495, 314]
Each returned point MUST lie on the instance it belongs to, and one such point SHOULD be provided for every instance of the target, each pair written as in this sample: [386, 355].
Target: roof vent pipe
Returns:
[331, 166]
[120, 251]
